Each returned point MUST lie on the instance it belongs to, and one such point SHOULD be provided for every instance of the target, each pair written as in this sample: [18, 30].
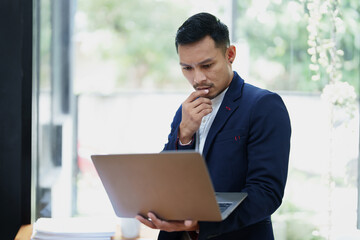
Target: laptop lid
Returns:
[173, 185]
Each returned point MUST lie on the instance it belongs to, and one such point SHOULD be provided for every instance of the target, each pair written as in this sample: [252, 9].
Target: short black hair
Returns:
[201, 25]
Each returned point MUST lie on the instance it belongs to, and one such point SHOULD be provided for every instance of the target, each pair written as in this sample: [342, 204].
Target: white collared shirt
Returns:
[207, 121]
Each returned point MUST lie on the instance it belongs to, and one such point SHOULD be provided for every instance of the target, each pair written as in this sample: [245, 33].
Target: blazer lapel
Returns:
[227, 107]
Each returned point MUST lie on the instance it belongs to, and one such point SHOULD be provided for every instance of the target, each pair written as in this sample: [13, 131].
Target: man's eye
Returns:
[187, 68]
[207, 65]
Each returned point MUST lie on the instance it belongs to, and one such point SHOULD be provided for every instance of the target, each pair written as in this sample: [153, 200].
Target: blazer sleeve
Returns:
[268, 147]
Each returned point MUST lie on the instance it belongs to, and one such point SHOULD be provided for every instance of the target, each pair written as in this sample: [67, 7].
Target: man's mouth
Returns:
[205, 88]
[199, 88]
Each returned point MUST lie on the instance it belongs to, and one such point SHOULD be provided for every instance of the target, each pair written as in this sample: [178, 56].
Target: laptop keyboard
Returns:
[224, 205]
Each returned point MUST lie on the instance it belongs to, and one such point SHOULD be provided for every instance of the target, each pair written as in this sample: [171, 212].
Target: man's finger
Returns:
[189, 223]
[169, 226]
[156, 221]
[201, 101]
[194, 95]
[201, 107]
[145, 221]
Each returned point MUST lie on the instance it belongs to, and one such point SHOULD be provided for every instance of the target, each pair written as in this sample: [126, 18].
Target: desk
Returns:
[25, 232]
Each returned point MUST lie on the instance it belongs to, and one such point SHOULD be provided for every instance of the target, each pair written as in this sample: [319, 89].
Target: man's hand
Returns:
[168, 226]
[194, 109]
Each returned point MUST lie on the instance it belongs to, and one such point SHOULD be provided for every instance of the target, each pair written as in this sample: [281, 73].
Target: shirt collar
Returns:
[218, 99]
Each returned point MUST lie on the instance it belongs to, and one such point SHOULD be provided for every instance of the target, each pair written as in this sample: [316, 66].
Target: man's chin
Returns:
[210, 96]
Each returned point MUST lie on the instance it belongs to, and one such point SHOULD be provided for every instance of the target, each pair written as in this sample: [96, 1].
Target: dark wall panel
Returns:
[15, 114]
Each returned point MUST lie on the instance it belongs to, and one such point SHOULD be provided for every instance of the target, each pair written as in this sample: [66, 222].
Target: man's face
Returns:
[207, 67]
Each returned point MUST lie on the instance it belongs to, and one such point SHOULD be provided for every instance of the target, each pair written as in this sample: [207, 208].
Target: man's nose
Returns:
[199, 76]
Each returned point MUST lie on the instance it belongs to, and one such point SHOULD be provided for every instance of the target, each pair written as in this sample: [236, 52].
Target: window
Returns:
[104, 65]
[55, 148]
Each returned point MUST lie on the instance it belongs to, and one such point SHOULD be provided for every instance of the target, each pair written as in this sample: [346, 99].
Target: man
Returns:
[242, 131]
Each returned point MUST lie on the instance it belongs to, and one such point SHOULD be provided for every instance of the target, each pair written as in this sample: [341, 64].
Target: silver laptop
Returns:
[173, 185]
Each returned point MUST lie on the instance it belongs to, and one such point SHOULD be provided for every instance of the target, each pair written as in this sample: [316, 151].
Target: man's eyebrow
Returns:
[200, 63]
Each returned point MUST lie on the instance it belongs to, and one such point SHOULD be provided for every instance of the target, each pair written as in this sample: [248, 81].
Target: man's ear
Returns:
[231, 53]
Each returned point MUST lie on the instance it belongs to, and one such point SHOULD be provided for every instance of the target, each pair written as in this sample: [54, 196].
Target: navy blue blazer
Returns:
[247, 149]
